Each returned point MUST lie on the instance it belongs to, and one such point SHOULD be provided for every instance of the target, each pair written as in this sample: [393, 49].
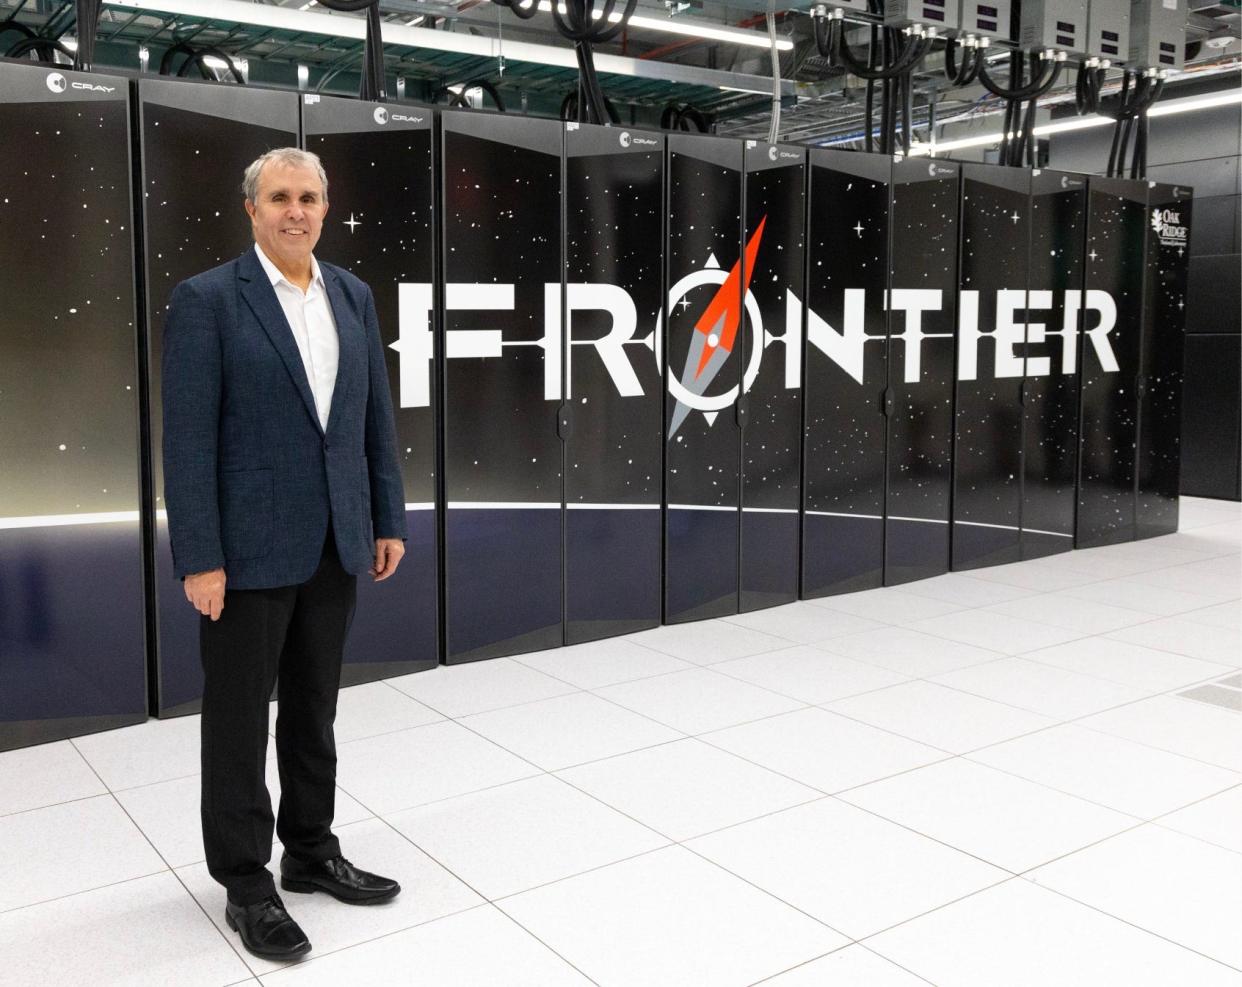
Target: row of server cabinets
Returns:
[637, 377]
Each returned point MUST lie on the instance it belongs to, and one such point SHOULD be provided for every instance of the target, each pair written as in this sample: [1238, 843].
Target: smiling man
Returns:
[282, 485]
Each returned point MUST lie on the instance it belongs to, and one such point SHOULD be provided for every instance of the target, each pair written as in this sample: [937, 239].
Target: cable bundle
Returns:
[685, 117]
[1018, 142]
[198, 56]
[373, 86]
[1134, 104]
[972, 60]
[1088, 85]
[892, 58]
[45, 48]
[459, 98]
[585, 24]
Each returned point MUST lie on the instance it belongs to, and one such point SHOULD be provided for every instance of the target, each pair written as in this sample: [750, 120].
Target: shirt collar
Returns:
[275, 277]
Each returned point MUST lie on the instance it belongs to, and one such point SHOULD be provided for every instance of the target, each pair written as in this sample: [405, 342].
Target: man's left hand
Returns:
[388, 552]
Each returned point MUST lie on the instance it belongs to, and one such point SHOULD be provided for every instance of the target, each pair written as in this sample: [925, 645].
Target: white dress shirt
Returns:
[314, 330]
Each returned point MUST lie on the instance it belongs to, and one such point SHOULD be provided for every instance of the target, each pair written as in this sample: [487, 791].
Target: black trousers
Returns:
[294, 635]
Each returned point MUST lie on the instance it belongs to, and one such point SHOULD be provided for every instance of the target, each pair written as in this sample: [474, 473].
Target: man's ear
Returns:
[249, 207]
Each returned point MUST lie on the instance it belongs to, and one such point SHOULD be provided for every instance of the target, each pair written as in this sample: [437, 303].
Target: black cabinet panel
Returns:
[707, 286]
[772, 380]
[1216, 225]
[72, 601]
[1050, 403]
[1160, 381]
[379, 227]
[614, 194]
[1210, 417]
[923, 291]
[987, 456]
[502, 385]
[1214, 295]
[846, 372]
[1116, 257]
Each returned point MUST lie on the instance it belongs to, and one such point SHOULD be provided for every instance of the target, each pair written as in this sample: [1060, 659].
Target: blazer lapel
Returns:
[352, 349]
[261, 298]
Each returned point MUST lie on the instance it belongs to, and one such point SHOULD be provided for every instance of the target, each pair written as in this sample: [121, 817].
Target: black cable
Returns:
[458, 99]
[522, 10]
[46, 48]
[87, 31]
[372, 85]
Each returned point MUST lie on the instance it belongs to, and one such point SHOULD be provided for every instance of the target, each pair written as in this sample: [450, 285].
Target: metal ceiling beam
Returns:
[354, 28]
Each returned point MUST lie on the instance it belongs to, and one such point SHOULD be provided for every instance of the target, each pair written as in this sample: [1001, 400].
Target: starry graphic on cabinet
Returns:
[1050, 409]
[920, 369]
[987, 465]
[1116, 220]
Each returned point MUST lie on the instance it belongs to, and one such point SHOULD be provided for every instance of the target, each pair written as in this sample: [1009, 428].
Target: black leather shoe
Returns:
[339, 878]
[267, 930]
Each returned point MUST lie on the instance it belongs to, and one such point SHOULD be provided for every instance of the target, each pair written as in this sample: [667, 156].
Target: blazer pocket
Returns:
[246, 513]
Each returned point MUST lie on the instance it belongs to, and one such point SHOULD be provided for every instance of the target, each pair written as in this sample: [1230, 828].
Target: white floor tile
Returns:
[889, 605]
[954, 587]
[698, 700]
[669, 917]
[1102, 563]
[853, 966]
[688, 788]
[1127, 664]
[1071, 611]
[428, 892]
[1173, 885]
[1043, 689]
[518, 836]
[939, 716]
[1185, 637]
[76, 846]
[1108, 770]
[1007, 821]
[1206, 733]
[809, 674]
[168, 813]
[1226, 615]
[995, 631]
[413, 767]
[1133, 595]
[909, 652]
[1214, 587]
[705, 642]
[803, 622]
[1020, 935]
[142, 932]
[1217, 819]
[374, 708]
[46, 774]
[848, 868]
[566, 730]
[824, 750]
[444, 952]
[142, 754]
[1040, 575]
[600, 663]
[477, 686]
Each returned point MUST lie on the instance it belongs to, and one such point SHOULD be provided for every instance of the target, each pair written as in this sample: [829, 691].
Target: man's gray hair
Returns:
[294, 156]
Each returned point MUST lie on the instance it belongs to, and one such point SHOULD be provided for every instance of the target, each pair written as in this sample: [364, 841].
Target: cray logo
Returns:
[380, 115]
[772, 152]
[56, 82]
[1167, 224]
[625, 139]
[403, 118]
[715, 333]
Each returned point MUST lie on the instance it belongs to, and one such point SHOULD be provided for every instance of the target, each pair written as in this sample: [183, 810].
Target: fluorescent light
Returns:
[1194, 103]
[1083, 123]
[693, 29]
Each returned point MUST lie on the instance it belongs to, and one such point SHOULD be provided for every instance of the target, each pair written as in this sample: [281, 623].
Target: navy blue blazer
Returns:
[250, 477]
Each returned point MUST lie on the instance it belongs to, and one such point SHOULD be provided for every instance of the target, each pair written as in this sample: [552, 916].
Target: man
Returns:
[282, 484]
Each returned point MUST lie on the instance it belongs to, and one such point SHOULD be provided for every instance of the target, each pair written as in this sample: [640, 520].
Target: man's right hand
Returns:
[206, 591]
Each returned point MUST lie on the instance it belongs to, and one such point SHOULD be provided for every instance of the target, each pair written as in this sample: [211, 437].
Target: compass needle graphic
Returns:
[715, 332]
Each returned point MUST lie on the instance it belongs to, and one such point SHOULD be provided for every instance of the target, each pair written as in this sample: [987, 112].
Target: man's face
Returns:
[287, 214]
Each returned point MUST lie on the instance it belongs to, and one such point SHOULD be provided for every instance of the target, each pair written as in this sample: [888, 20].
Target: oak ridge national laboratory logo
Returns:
[1167, 224]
